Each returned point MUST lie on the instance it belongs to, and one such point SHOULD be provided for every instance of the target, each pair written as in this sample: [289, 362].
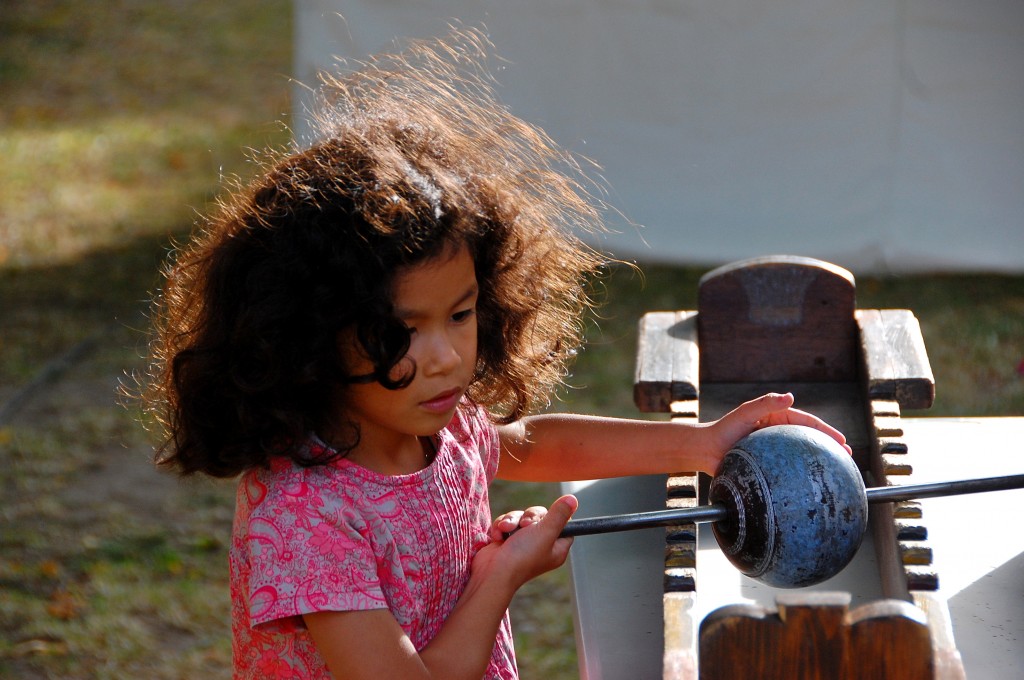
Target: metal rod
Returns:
[887, 494]
[645, 520]
[717, 512]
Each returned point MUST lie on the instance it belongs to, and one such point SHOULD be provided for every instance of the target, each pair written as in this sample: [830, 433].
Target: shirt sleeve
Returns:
[303, 560]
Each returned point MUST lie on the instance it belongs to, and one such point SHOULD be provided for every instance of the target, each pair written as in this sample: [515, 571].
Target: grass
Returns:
[119, 121]
[113, 138]
[973, 328]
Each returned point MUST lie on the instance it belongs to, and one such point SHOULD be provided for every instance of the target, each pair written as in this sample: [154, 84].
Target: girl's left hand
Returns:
[771, 409]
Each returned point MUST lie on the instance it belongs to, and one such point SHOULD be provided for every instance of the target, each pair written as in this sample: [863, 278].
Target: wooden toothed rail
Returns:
[790, 324]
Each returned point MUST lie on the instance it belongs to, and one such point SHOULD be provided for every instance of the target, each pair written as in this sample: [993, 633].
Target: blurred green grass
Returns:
[973, 327]
[118, 121]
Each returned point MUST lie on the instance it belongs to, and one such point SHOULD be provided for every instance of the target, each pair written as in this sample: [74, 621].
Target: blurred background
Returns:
[120, 120]
[881, 136]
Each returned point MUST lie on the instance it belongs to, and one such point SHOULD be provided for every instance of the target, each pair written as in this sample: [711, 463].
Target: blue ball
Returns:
[798, 508]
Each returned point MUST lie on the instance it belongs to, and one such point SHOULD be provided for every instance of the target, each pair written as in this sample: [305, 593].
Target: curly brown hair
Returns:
[413, 156]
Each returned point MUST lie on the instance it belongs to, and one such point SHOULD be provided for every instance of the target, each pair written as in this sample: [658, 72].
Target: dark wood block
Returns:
[813, 636]
[667, 361]
[895, 360]
[777, 318]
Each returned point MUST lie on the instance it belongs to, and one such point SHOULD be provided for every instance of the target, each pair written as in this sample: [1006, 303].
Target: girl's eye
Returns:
[462, 316]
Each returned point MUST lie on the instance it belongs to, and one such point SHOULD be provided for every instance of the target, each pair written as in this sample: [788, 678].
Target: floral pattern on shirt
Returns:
[340, 537]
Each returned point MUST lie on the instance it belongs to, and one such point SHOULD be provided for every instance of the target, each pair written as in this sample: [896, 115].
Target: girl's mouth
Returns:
[445, 401]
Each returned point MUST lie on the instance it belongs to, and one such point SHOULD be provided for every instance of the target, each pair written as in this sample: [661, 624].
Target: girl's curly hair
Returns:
[413, 156]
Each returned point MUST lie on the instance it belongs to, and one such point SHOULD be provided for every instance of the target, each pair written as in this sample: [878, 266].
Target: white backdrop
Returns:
[883, 136]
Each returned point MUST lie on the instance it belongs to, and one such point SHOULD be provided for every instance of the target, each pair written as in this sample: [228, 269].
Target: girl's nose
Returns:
[442, 356]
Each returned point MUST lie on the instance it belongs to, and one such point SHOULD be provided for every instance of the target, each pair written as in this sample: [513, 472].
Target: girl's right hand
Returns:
[534, 545]
[371, 644]
[513, 520]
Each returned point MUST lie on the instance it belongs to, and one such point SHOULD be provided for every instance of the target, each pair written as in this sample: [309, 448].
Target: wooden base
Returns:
[814, 636]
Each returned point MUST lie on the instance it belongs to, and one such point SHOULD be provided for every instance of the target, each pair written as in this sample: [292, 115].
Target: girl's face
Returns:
[437, 301]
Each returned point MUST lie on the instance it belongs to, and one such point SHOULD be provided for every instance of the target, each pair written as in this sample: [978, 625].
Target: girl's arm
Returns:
[558, 447]
[372, 645]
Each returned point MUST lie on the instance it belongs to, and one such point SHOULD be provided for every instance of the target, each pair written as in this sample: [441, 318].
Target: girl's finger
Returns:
[792, 416]
[505, 524]
[511, 518]
[532, 515]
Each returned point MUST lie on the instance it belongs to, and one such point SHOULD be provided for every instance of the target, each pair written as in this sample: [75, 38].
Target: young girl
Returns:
[361, 334]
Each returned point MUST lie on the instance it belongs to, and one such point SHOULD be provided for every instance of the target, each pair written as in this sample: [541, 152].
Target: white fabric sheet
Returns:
[881, 136]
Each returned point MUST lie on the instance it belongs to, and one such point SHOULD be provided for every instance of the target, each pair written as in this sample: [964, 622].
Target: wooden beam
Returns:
[896, 365]
[667, 361]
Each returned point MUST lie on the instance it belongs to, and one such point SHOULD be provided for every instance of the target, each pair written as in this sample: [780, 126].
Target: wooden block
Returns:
[887, 445]
[915, 552]
[681, 555]
[682, 486]
[948, 664]
[687, 409]
[897, 465]
[888, 426]
[814, 636]
[667, 361]
[890, 639]
[680, 580]
[910, 530]
[891, 570]
[682, 491]
[895, 361]
[777, 318]
[681, 541]
[686, 533]
[680, 655]
[907, 510]
[921, 579]
[885, 407]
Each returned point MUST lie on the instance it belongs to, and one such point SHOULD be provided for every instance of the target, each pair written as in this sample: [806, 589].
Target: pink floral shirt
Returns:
[339, 537]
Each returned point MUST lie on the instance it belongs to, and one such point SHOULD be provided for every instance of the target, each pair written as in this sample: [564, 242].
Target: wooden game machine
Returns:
[790, 324]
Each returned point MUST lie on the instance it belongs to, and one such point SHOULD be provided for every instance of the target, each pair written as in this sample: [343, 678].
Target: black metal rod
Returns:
[645, 520]
[717, 512]
[888, 494]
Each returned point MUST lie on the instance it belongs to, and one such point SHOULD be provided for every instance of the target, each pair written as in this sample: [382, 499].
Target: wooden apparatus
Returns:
[785, 324]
